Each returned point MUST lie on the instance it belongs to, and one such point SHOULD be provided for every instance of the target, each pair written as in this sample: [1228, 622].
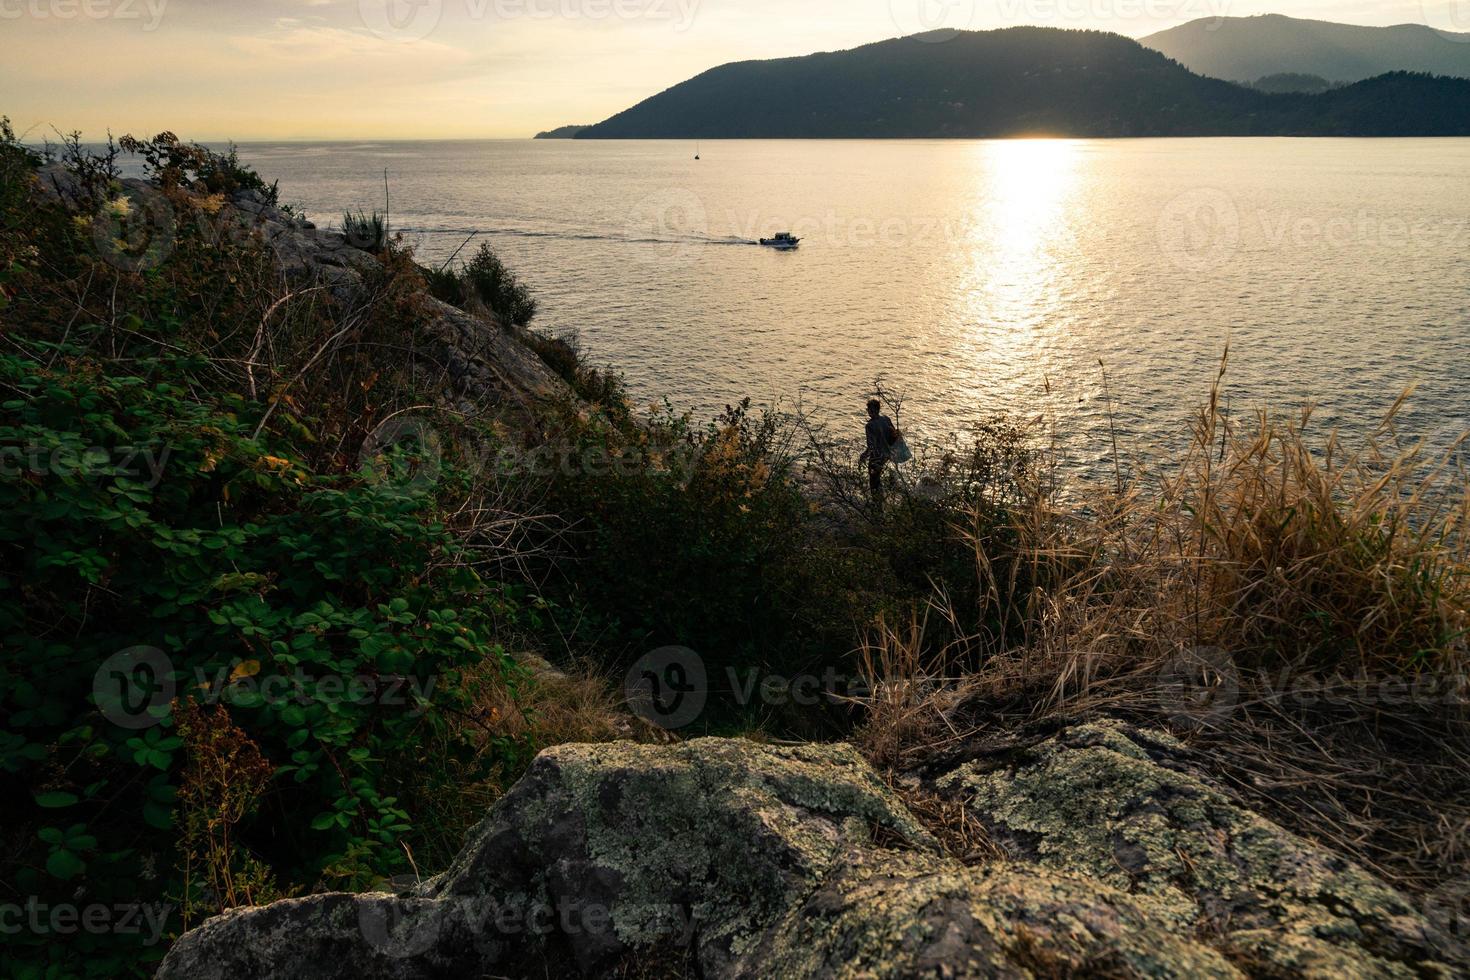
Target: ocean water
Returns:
[1094, 283]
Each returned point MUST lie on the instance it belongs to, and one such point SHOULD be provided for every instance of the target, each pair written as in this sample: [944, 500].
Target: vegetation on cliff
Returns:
[484, 284]
[183, 500]
[267, 590]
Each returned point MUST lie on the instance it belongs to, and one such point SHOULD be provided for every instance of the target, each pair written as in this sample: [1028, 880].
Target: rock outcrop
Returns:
[722, 858]
[480, 361]
[1121, 807]
[477, 361]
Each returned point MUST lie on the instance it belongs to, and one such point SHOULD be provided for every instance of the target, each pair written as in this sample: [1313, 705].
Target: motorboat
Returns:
[784, 241]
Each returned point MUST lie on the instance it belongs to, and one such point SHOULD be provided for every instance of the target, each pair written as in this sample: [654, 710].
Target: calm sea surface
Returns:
[977, 277]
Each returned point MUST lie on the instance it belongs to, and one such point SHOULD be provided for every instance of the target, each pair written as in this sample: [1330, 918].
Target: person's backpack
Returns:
[898, 450]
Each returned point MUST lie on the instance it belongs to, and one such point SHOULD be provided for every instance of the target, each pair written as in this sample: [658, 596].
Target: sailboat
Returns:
[696, 151]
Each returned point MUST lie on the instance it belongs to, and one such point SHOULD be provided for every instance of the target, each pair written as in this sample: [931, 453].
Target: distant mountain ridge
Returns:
[1247, 48]
[561, 133]
[1021, 81]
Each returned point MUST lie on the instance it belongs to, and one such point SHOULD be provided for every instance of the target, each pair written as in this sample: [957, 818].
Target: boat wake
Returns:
[582, 236]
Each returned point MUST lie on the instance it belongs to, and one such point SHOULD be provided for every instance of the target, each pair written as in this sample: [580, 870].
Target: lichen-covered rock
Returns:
[599, 851]
[722, 858]
[1100, 800]
[340, 935]
[704, 841]
[913, 914]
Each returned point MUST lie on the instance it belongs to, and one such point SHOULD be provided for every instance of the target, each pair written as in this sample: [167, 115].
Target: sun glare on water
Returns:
[1020, 232]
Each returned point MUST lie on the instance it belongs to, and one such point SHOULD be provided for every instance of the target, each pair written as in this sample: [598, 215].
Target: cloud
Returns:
[295, 42]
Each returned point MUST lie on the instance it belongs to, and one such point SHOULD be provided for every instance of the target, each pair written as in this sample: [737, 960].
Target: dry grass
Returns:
[556, 708]
[958, 830]
[1298, 612]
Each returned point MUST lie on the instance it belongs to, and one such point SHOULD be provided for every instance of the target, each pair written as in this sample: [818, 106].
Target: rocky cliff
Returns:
[474, 361]
[1110, 855]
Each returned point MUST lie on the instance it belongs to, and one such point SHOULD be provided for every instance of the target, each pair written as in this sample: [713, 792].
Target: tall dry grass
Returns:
[1297, 611]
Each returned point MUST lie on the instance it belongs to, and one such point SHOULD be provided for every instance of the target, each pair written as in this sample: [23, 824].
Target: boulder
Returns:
[1119, 806]
[600, 851]
[726, 858]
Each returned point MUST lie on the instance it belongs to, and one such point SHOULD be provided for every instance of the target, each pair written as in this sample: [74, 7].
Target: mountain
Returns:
[1244, 48]
[561, 133]
[1016, 82]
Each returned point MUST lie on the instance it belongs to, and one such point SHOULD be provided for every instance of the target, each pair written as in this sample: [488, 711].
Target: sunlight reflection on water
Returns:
[978, 276]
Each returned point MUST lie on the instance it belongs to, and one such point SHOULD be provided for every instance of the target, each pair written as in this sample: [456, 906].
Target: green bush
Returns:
[702, 536]
[602, 387]
[443, 283]
[485, 280]
[743, 542]
[244, 569]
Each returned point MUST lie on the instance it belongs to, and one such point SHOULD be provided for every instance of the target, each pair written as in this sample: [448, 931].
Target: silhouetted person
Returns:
[882, 434]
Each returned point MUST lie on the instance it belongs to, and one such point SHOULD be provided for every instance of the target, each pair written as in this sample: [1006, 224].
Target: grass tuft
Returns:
[368, 232]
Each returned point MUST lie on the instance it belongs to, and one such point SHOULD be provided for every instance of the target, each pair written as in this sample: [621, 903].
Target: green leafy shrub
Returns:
[699, 537]
[486, 281]
[157, 521]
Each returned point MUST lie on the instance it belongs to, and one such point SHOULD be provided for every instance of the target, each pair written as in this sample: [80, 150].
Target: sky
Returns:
[424, 69]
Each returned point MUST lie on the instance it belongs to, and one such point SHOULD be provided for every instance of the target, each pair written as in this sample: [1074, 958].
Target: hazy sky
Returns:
[280, 69]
